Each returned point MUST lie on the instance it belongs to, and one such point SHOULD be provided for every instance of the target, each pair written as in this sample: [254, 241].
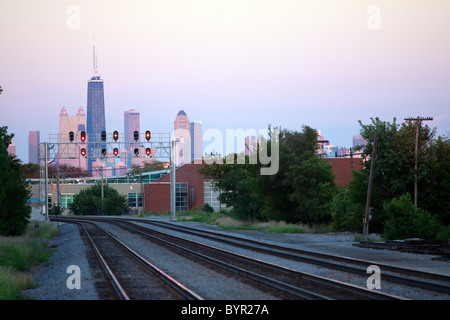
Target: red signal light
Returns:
[83, 152]
[148, 151]
[116, 151]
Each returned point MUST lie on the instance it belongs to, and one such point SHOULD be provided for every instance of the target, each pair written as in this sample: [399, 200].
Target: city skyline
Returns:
[229, 64]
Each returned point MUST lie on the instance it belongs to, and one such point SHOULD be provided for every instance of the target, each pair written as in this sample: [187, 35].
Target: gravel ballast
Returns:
[70, 249]
[51, 277]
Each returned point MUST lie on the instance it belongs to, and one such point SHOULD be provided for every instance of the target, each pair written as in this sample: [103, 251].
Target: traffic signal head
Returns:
[136, 151]
[116, 151]
[147, 135]
[136, 136]
[103, 135]
[148, 151]
[103, 152]
[115, 135]
[71, 136]
[83, 152]
[83, 136]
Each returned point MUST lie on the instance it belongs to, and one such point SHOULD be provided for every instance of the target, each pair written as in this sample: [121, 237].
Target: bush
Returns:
[89, 202]
[346, 214]
[208, 208]
[404, 220]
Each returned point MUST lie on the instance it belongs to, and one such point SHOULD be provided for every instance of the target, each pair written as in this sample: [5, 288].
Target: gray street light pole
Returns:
[173, 179]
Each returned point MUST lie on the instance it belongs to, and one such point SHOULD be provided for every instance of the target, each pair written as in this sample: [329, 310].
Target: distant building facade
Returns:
[182, 131]
[251, 143]
[74, 124]
[12, 149]
[359, 141]
[196, 140]
[33, 147]
[131, 124]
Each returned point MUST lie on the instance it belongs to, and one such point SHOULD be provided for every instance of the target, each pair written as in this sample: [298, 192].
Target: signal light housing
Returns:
[83, 152]
[136, 152]
[136, 136]
[83, 136]
[103, 135]
[103, 152]
[147, 135]
[116, 151]
[116, 135]
[71, 135]
[148, 151]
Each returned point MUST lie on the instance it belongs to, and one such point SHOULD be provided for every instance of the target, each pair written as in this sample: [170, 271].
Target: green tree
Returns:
[436, 192]
[303, 188]
[346, 214]
[313, 188]
[148, 167]
[394, 167]
[404, 220]
[238, 183]
[89, 202]
[14, 191]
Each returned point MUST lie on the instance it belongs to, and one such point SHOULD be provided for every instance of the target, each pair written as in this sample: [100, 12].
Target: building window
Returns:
[66, 199]
[192, 194]
[132, 200]
[181, 199]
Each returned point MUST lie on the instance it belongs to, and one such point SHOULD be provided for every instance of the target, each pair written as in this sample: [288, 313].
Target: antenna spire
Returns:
[95, 71]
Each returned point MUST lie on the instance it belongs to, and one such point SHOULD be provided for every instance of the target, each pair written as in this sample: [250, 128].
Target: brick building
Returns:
[193, 190]
[189, 189]
[342, 169]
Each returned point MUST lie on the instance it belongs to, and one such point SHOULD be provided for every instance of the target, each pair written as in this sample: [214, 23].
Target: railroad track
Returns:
[290, 284]
[129, 276]
[404, 276]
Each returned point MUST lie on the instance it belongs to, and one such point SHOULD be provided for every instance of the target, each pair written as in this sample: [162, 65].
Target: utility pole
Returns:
[321, 147]
[103, 195]
[58, 194]
[46, 181]
[351, 156]
[143, 194]
[369, 188]
[418, 119]
[173, 180]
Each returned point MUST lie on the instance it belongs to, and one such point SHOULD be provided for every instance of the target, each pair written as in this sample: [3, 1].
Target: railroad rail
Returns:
[115, 257]
[301, 284]
[293, 284]
[404, 276]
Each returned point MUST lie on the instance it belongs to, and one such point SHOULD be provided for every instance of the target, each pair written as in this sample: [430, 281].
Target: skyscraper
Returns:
[251, 144]
[33, 147]
[131, 124]
[95, 123]
[196, 140]
[76, 124]
[359, 141]
[12, 149]
[182, 131]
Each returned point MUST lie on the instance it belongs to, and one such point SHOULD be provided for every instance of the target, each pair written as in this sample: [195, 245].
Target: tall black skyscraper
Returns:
[95, 122]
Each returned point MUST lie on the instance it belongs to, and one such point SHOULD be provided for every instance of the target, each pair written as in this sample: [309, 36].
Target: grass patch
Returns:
[18, 255]
[12, 282]
[225, 221]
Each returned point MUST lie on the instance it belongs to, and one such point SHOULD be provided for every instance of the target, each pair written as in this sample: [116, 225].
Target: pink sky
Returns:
[231, 64]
